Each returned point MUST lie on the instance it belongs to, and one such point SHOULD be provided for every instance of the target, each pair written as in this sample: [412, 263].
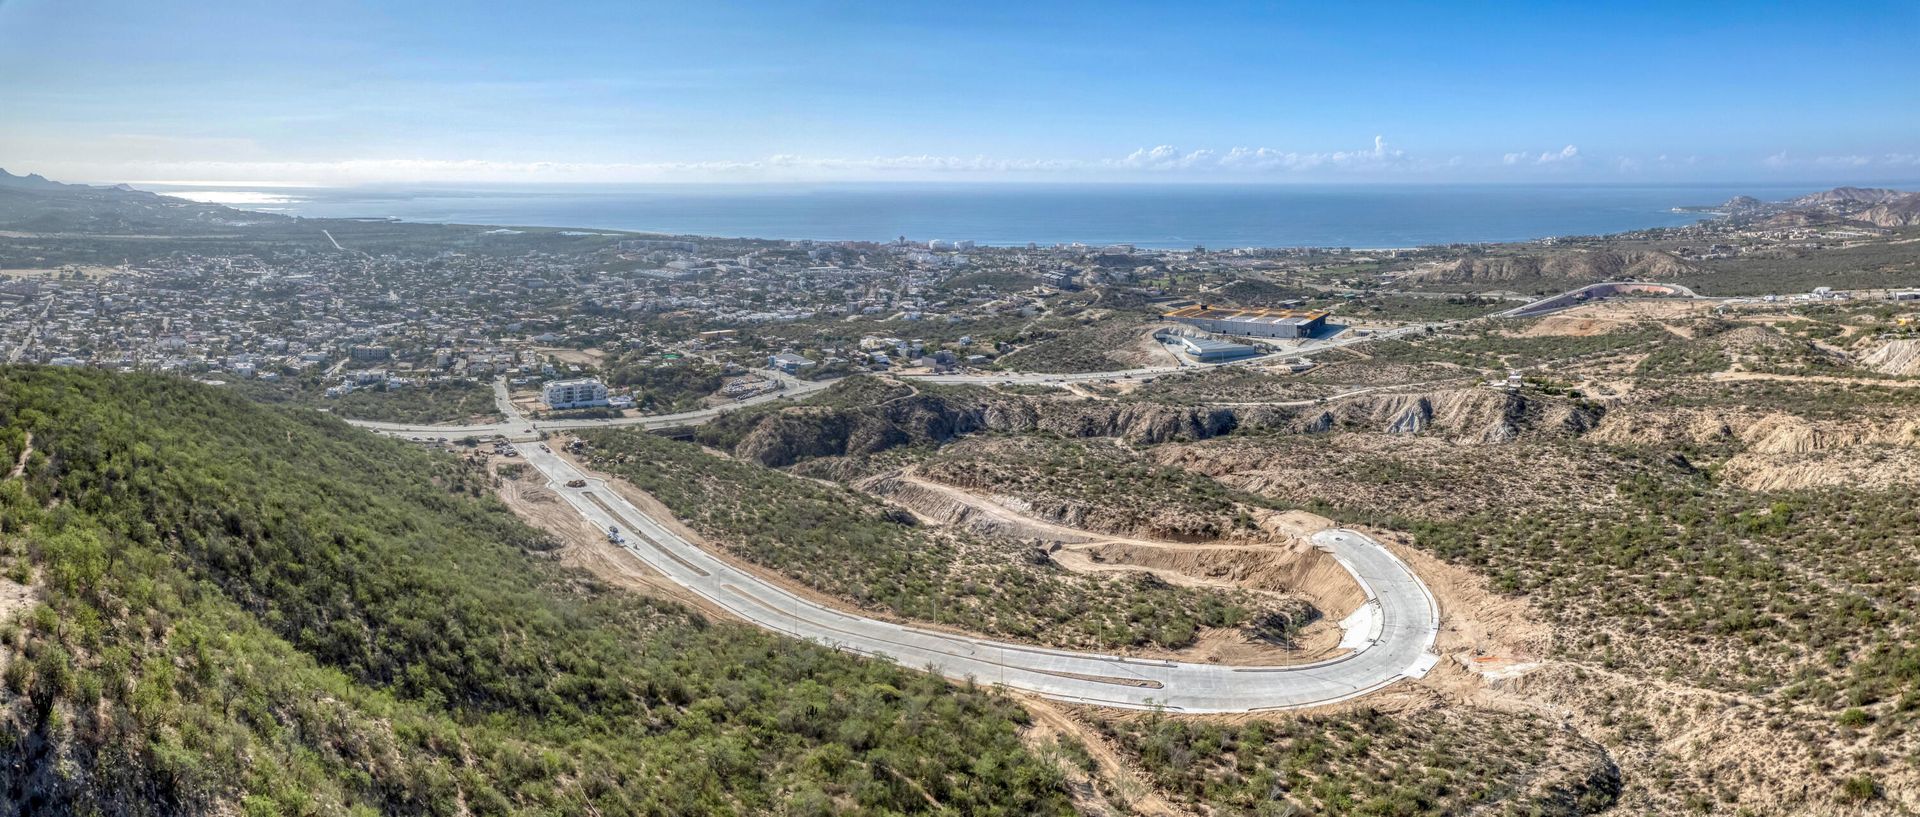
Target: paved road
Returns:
[1308, 348]
[517, 427]
[1400, 621]
[1393, 633]
[1594, 293]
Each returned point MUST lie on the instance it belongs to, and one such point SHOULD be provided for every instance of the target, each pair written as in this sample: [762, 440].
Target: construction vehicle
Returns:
[613, 534]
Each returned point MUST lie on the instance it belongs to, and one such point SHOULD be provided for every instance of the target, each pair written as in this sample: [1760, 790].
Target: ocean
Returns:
[1159, 216]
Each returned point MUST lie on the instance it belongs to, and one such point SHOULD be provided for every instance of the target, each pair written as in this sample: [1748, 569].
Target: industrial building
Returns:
[1206, 350]
[788, 362]
[1257, 323]
[585, 392]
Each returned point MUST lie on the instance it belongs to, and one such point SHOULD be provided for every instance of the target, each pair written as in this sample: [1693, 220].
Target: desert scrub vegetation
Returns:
[446, 401]
[1717, 345]
[1809, 597]
[238, 609]
[1067, 345]
[1811, 400]
[1417, 476]
[663, 386]
[1227, 384]
[1365, 762]
[849, 545]
[1095, 485]
[1490, 346]
[1414, 308]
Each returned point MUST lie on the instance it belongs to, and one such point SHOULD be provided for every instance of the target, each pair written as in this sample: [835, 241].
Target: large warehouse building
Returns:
[1257, 323]
[1207, 350]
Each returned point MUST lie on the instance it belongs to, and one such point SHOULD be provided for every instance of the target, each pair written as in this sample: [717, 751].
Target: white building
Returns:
[586, 392]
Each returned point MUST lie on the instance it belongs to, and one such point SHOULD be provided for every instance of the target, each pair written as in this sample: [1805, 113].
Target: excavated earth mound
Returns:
[1895, 357]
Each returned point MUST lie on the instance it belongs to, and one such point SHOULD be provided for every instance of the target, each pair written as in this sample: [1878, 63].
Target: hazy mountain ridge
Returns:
[35, 204]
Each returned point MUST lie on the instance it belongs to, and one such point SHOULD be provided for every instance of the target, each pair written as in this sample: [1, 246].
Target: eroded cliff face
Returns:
[1472, 415]
[1574, 266]
[1773, 450]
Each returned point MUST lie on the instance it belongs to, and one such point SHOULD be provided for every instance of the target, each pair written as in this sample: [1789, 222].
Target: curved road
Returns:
[1400, 618]
[1392, 634]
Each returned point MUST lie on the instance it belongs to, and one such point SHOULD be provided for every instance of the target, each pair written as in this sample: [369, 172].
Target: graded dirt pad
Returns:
[1289, 567]
[1296, 568]
[1629, 309]
[1494, 637]
[586, 547]
[1146, 351]
[1293, 524]
[1571, 326]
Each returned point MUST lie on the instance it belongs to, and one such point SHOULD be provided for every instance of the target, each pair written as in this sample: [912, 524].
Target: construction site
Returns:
[1257, 323]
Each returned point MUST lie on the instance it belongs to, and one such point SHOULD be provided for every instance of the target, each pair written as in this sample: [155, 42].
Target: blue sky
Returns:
[335, 91]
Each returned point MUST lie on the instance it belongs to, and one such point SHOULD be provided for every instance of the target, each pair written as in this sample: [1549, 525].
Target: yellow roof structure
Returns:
[1222, 313]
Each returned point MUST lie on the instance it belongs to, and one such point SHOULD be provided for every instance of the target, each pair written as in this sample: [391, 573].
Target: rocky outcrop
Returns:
[1900, 212]
[946, 507]
[1571, 266]
[1895, 357]
[1468, 415]
[1779, 451]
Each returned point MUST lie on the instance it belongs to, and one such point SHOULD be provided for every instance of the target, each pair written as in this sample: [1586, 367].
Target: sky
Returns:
[339, 92]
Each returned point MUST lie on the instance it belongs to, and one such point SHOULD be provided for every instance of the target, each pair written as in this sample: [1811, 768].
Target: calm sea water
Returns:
[1215, 216]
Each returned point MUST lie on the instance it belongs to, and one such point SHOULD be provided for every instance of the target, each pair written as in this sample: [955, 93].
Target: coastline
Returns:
[1375, 218]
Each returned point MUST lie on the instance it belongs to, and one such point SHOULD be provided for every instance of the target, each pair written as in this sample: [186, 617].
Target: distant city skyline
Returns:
[337, 92]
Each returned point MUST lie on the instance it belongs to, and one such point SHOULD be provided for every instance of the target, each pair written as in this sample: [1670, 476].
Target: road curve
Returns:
[1400, 616]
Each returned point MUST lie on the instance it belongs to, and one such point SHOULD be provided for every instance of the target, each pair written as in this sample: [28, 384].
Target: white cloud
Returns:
[1568, 154]
[1378, 159]
[1843, 161]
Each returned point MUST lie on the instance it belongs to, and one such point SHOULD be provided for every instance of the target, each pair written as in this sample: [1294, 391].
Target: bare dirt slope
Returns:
[1895, 357]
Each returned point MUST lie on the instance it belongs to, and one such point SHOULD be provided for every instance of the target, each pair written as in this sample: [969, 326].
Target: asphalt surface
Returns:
[517, 427]
[1401, 620]
[1391, 635]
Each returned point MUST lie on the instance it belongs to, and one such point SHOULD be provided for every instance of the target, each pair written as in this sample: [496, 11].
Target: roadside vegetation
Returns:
[1227, 384]
[231, 609]
[1083, 344]
[1096, 486]
[1414, 308]
[447, 401]
[848, 545]
[1366, 762]
[663, 386]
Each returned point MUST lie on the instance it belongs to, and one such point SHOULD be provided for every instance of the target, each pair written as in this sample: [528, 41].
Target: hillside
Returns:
[1849, 195]
[34, 204]
[1554, 269]
[214, 607]
[1898, 212]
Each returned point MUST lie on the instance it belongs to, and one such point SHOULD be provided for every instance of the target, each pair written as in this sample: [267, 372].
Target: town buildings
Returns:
[585, 392]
